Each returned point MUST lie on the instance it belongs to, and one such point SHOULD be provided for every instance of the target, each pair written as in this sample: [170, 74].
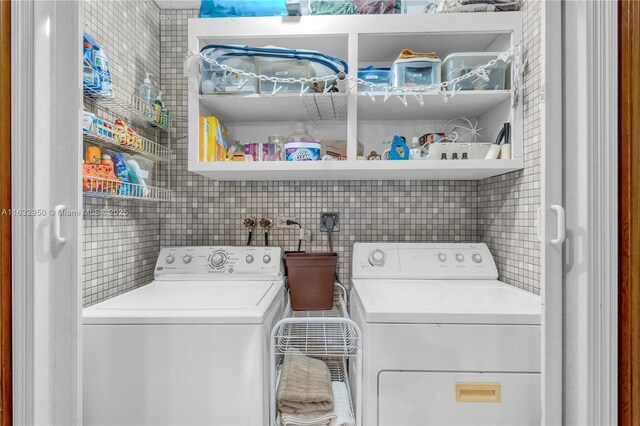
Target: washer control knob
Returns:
[170, 258]
[186, 258]
[266, 258]
[460, 257]
[476, 258]
[442, 257]
[249, 258]
[377, 258]
[218, 259]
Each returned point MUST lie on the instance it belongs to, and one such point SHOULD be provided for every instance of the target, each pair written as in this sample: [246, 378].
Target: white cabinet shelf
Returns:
[352, 116]
[356, 170]
[463, 104]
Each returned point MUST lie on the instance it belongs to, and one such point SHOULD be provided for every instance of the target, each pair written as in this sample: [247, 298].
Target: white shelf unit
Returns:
[361, 40]
[330, 336]
[134, 112]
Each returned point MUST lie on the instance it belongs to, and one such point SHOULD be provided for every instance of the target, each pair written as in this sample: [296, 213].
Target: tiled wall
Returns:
[208, 212]
[120, 251]
[499, 211]
[507, 204]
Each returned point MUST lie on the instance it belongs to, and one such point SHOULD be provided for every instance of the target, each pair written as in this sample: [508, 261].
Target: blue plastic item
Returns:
[331, 62]
[122, 172]
[234, 8]
[398, 143]
[375, 75]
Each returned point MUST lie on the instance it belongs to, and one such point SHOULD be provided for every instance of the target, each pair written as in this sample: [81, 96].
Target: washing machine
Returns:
[189, 348]
[444, 341]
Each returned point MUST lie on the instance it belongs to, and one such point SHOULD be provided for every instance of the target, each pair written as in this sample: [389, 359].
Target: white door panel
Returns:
[423, 398]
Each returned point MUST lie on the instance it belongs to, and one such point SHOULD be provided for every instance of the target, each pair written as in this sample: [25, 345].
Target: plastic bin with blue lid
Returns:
[375, 75]
[414, 72]
[459, 64]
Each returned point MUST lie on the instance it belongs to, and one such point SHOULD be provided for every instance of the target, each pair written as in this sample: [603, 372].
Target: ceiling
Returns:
[178, 4]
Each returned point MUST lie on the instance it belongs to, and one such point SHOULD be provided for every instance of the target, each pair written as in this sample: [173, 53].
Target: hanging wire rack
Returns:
[328, 335]
[129, 107]
[144, 147]
[107, 188]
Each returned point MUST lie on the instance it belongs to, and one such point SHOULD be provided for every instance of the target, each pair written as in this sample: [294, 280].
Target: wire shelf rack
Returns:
[326, 106]
[315, 336]
[129, 107]
[143, 146]
[330, 336]
[106, 188]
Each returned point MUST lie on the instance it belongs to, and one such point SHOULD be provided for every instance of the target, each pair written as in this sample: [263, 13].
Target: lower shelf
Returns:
[105, 188]
[356, 170]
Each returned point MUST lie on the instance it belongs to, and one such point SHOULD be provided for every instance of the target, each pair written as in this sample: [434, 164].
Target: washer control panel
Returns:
[219, 263]
[423, 261]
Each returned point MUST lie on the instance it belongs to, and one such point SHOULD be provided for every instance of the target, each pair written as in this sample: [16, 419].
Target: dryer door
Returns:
[458, 398]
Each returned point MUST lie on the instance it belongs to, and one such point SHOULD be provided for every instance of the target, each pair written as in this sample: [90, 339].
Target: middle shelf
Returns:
[356, 170]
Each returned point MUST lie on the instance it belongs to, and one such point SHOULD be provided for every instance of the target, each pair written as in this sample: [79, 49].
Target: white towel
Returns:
[340, 415]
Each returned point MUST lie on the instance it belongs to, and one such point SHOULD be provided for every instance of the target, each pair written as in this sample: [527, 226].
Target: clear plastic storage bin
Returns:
[214, 80]
[416, 72]
[458, 64]
[354, 7]
[283, 68]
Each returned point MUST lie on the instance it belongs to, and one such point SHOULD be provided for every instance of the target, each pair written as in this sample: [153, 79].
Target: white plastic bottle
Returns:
[148, 95]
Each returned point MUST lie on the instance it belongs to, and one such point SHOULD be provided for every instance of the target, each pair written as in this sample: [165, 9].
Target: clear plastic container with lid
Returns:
[459, 64]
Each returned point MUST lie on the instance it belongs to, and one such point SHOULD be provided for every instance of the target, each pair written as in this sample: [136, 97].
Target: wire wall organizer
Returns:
[106, 188]
[330, 336]
[130, 108]
[143, 146]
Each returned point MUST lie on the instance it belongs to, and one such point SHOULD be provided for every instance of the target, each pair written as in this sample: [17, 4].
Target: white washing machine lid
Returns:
[446, 302]
[188, 302]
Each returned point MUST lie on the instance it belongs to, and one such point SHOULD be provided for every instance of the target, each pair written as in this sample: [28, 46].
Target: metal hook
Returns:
[303, 88]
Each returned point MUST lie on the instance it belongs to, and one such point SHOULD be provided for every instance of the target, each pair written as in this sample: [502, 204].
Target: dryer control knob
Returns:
[442, 257]
[186, 258]
[460, 257]
[249, 258]
[476, 258]
[218, 259]
[170, 259]
[377, 258]
[266, 258]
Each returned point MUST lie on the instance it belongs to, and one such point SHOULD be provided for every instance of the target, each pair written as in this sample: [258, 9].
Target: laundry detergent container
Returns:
[283, 68]
[413, 72]
[311, 280]
[459, 64]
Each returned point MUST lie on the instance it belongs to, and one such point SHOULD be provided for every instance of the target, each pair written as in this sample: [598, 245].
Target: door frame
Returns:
[5, 220]
[629, 236]
[590, 274]
[46, 172]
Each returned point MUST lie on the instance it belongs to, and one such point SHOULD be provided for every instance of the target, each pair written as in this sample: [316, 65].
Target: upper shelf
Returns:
[470, 104]
[266, 107]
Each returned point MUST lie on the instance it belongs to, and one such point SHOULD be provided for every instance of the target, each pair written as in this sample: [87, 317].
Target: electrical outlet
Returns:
[281, 221]
[307, 235]
[326, 220]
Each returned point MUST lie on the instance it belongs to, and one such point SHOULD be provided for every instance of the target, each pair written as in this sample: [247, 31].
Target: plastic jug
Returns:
[148, 95]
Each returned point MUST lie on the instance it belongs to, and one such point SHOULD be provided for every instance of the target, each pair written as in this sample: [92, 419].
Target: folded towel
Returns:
[342, 405]
[340, 415]
[408, 54]
[305, 385]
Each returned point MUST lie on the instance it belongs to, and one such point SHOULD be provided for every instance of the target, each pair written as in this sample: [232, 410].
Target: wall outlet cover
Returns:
[281, 221]
[324, 217]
